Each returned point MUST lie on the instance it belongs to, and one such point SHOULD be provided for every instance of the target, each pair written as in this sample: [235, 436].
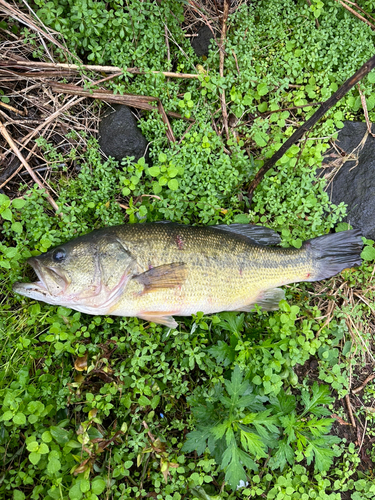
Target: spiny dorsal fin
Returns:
[165, 276]
[259, 234]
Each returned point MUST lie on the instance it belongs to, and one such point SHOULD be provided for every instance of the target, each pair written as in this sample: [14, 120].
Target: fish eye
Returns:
[59, 255]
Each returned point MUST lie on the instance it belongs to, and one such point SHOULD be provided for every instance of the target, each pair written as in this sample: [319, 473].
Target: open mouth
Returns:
[40, 288]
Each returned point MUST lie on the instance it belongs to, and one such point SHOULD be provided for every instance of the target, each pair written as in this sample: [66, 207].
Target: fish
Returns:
[155, 271]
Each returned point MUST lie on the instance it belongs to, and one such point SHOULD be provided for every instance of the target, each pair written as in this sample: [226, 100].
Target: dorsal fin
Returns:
[259, 234]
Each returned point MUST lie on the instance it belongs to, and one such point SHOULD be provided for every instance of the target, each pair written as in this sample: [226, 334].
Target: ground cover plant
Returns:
[265, 405]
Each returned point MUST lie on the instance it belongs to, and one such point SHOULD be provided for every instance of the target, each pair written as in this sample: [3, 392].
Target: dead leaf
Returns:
[80, 363]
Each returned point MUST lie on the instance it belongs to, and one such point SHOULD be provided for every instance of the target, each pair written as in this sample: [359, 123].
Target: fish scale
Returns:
[157, 270]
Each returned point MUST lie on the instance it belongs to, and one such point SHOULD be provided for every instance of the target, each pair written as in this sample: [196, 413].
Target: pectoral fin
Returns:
[165, 276]
[160, 318]
[267, 301]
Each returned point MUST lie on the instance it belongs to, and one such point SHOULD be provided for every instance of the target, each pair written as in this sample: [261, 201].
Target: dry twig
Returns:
[356, 13]
[91, 67]
[363, 385]
[350, 411]
[221, 68]
[364, 106]
[12, 144]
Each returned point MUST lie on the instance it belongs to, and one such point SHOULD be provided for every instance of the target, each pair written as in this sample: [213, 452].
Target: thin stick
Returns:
[364, 106]
[7, 106]
[167, 43]
[359, 8]
[363, 385]
[94, 67]
[12, 144]
[328, 104]
[221, 67]
[356, 14]
[48, 120]
[350, 411]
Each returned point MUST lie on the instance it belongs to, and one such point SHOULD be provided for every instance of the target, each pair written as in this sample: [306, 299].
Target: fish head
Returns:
[88, 273]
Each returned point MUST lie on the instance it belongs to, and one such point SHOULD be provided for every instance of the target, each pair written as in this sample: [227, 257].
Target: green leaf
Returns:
[234, 471]
[33, 446]
[75, 492]
[283, 455]
[34, 458]
[5, 264]
[162, 158]
[154, 171]
[17, 227]
[155, 402]
[43, 449]
[19, 419]
[144, 401]
[253, 444]
[320, 396]
[18, 495]
[235, 386]
[60, 435]
[321, 450]
[173, 184]
[261, 139]
[8, 415]
[172, 171]
[196, 441]
[368, 253]
[85, 485]
[262, 89]
[18, 203]
[98, 486]
[7, 214]
[223, 353]
[371, 77]
[54, 465]
[46, 437]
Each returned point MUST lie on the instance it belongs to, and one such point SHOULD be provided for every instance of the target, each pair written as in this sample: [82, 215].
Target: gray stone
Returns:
[201, 43]
[119, 135]
[355, 186]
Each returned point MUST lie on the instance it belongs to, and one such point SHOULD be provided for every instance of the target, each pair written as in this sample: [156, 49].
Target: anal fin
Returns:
[161, 318]
[267, 301]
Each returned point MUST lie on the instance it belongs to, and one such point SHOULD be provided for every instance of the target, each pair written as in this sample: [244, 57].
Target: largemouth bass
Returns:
[159, 270]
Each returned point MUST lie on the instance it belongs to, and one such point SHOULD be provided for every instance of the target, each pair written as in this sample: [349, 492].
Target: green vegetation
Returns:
[102, 407]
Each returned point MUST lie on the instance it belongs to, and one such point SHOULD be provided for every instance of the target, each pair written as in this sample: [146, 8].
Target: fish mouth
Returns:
[40, 289]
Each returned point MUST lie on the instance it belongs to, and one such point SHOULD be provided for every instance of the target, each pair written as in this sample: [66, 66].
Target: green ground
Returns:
[101, 407]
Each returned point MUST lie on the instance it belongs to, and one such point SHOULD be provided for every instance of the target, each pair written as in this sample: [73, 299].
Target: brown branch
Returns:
[356, 14]
[91, 67]
[328, 104]
[350, 411]
[10, 108]
[221, 67]
[360, 8]
[363, 385]
[135, 101]
[18, 153]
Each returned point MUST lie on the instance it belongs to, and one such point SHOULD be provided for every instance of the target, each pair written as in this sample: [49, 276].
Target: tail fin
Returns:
[334, 252]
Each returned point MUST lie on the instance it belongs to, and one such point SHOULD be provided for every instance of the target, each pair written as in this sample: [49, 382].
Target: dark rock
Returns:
[355, 186]
[119, 135]
[201, 42]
